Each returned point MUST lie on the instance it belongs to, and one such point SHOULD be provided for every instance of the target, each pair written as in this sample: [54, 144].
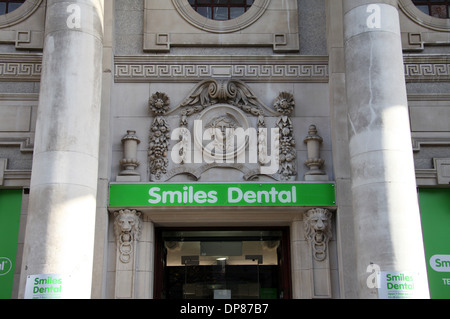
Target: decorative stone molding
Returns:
[24, 27]
[191, 68]
[267, 23]
[442, 166]
[418, 68]
[419, 17]
[188, 13]
[438, 175]
[127, 228]
[20, 14]
[232, 92]
[20, 67]
[427, 68]
[318, 232]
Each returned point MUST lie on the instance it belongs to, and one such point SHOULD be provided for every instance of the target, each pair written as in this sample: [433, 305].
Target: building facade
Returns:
[187, 149]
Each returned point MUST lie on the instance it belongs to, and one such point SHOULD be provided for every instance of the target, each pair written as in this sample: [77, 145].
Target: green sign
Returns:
[222, 194]
[10, 206]
[44, 287]
[399, 285]
[435, 215]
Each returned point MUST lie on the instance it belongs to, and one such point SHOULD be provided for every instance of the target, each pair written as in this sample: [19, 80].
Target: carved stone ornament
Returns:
[318, 231]
[159, 138]
[232, 92]
[213, 114]
[127, 228]
[159, 103]
[284, 103]
[219, 123]
[314, 162]
[129, 161]
[287, 157]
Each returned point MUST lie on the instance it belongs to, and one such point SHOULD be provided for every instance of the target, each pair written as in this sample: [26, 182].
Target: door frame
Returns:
[285, 260]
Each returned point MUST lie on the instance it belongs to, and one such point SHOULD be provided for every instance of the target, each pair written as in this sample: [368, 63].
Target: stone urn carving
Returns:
[314, 162]
[129, 162]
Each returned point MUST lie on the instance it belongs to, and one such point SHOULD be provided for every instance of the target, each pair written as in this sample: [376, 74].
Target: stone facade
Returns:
[321, 72]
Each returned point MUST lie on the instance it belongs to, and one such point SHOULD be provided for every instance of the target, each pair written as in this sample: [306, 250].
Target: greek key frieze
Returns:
[20, 68]
[309, 70]
[427, 68]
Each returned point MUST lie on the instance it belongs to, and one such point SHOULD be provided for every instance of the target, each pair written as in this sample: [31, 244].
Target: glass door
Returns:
[222, 264]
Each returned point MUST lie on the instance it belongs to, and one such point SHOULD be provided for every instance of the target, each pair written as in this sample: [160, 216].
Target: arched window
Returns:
[221, 9]
[434, 8]
[7, 6]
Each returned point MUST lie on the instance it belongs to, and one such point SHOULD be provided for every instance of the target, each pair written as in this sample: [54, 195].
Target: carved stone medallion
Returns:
[214, 132]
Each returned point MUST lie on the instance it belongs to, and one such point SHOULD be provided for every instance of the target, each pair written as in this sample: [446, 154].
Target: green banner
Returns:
[10, 205]
[435, 215]
[222, 194]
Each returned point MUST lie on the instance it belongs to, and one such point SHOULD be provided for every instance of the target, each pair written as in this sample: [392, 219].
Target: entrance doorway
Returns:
[222, 263]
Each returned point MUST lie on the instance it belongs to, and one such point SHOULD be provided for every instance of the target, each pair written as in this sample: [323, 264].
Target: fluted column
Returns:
[387, 220]
[61, 216]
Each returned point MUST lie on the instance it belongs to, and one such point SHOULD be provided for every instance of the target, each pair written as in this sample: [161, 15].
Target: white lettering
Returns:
[284, 197]
[188, 195]
[374, 20]
[230, 145]
[231, 199]
[440, 263]
[74, 19]
[372, 279]
[153, 193]
[212, 197]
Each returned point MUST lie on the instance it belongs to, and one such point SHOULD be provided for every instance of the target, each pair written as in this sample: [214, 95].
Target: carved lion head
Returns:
[127, 223]
[317, 225]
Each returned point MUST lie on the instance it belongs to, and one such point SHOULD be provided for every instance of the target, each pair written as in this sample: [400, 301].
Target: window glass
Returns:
[236, 12]
[7, 6]
[220, 13]
[222, 264]
[221, 9]
[435, 8]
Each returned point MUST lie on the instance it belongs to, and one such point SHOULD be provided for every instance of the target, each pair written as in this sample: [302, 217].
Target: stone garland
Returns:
[159, 138]
[285, 104]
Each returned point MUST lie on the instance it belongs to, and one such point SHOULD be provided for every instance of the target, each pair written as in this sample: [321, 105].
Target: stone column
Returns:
[386, 213]
[62, 207]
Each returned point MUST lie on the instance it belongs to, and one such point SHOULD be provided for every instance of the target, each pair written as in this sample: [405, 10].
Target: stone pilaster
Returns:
[62, 207]
[387, 221]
